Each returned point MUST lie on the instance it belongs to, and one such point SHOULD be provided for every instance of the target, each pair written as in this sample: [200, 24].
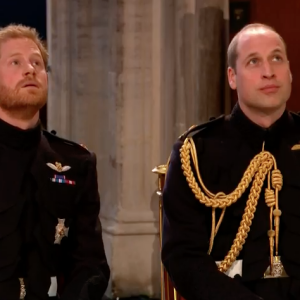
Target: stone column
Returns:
[130, 211]
[78, 43]
[126, 80]
[58, 44]
[211, 63]
[194, 74]
[105, 84]
[227, 97]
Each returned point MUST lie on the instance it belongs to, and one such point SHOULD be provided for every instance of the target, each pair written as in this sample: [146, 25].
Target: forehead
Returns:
[261, 41]
[18, 46]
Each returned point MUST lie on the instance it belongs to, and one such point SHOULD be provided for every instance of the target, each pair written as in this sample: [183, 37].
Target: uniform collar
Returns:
[256, 134]
[16, 138]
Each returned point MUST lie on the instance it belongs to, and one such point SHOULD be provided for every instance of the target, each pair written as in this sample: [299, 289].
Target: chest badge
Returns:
[58, 167]
[62, 179]
[296, 147]
[58, 178]
[61, 231]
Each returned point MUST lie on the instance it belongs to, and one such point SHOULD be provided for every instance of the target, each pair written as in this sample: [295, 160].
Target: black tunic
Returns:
[31, 203]
[17, 209]
[225, 148]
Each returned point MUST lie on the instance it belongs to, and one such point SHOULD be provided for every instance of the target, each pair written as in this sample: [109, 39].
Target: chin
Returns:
[23, 105]
[28, 100]
[271, 103]
[32, 98]
[270, 109]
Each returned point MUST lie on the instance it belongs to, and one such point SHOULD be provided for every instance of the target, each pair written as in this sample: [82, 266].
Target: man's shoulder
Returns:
[211, 127]
[296, 117]
[66, 147]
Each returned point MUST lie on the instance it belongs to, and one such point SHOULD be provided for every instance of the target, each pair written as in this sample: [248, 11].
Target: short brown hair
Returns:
[232, 48]
[20, 31]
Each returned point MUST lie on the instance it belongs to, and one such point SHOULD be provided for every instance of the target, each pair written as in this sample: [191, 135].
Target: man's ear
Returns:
[291, 76]
[231, 75]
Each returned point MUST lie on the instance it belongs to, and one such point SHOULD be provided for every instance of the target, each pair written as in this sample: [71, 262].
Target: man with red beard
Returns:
[50, 232]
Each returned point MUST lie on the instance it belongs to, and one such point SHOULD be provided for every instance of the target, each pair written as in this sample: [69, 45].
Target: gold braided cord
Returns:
[258, 169]
[214, 228]
[270, 197]
[270, 201]
[219, 200]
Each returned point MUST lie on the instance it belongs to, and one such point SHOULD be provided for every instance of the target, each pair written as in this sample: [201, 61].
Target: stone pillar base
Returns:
[134, 259]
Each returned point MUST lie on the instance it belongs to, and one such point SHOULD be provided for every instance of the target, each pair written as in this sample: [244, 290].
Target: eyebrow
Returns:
[253, 54]
[19, 53]
[278, 50]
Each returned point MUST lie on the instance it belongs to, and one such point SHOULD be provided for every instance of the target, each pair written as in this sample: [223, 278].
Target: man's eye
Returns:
[277, 58]
[15, 62]
[253, 61]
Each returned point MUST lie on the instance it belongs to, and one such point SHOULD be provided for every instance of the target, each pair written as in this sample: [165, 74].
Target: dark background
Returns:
[26, 12]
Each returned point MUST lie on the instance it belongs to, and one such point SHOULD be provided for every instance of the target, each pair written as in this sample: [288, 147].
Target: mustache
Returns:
[28, 81]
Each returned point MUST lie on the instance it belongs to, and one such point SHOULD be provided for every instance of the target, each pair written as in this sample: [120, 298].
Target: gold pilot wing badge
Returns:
[61, 231]
[84, 146]
[296, 147]
[58, 167]
[59, 178]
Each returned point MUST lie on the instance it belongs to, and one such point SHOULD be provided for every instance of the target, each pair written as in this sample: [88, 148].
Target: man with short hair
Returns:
[231, 227]
[50, 236]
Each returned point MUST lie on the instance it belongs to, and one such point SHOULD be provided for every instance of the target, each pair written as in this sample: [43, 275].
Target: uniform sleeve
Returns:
[186, 240]
[90, 272]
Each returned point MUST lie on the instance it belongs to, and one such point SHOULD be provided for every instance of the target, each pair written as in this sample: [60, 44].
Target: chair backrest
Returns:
[168, 292]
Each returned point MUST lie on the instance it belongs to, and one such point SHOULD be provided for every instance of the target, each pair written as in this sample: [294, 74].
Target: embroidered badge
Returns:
[22, 288]
[84, 146]
[296, 147]
[61, 231]
[62, 179]
[58, 167]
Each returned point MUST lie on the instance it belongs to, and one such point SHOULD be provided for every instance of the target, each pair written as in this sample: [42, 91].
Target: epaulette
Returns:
[52, 135]
[197, 128]
[295, 116]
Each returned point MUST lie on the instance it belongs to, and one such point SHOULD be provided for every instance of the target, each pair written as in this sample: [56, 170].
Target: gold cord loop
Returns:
[270, 197]
[260, 167]
[277, 180]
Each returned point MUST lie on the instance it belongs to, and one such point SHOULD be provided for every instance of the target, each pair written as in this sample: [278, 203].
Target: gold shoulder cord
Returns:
[262, 165]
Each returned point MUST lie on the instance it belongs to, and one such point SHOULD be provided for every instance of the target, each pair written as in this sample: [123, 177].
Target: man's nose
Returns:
[268, 71]
[28, 69]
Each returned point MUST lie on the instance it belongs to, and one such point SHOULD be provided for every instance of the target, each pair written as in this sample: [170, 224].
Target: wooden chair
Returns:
[168, 292]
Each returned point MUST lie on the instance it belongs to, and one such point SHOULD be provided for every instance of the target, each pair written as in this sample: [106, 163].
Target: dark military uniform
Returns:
[44, 181]
[225, 148]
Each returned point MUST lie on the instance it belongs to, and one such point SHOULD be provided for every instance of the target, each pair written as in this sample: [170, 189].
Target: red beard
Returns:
[18, 99]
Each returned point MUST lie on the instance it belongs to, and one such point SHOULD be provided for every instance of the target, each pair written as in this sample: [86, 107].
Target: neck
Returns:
[263, 118]
[23, 120]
